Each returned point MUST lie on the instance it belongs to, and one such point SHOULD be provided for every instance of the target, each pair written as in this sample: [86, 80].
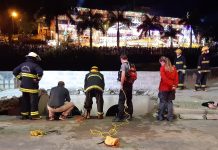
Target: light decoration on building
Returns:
[128, 35]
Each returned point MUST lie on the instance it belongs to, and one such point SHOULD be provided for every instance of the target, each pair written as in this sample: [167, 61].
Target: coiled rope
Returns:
[115, 126]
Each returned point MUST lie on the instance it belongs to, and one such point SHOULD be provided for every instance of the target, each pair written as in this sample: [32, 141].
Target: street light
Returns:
[13, 16]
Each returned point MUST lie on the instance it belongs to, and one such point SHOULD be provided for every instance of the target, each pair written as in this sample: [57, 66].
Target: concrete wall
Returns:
[75, 79]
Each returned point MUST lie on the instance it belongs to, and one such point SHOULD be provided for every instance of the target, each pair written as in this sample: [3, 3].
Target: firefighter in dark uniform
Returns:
[203, 69]
[94, 87]
[29, 73]
[180, 64]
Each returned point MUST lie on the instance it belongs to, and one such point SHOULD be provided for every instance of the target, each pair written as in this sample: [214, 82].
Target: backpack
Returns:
[131, 74]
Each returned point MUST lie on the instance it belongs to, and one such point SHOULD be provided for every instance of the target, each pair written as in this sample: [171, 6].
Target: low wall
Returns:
[145, 87]
[75, 79]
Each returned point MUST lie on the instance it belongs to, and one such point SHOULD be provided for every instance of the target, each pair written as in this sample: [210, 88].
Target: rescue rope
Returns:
[114, 129]
[41, 133]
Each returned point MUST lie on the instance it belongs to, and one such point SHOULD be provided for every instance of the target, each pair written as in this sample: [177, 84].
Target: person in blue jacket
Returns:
[29, 73]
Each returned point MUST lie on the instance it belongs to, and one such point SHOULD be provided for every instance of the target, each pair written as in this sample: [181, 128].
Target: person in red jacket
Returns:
[167, 88]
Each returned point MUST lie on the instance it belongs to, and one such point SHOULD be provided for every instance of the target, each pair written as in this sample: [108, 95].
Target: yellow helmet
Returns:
[204, 49]
[94, 67]
[178, 51]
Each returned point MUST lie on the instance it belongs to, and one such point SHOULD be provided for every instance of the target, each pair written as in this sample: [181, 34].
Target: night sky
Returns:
[175, 8]
[171, 8]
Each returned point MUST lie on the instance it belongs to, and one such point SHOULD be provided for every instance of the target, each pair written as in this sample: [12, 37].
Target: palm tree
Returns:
[191, 20]
[89, 20]
[51, 9]
[148, 24]
[172, 33]
[118, 17]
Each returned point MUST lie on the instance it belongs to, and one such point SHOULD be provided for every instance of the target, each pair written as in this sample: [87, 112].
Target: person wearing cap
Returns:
[94, 87]
[180, 64]
[29, 73]
[203, 69]
[59, 102]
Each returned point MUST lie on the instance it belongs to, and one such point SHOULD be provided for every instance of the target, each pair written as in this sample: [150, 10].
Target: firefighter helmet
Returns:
[33, 54]
[94, 67]
[178, 51]
[204, 49]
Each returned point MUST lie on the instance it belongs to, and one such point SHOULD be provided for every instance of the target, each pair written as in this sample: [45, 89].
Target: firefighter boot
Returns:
[87, 114]
[204, 89]
[35, 117]
[196, 89]
[100, 116]
[24, 117]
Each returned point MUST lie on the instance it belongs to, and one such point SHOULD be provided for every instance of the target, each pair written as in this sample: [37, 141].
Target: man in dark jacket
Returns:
[29, 73]
[94, 87]
[180, 64]
[203, 69]
[59, 101]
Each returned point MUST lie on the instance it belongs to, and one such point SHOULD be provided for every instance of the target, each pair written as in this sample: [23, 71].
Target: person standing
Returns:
[29, 73]
[167, 88]
[94, 87]
[59, 101]
[203, 69]
[125, 94]
[180, 64]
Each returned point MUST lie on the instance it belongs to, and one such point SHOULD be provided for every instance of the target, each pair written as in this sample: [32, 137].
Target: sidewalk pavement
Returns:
[143, 133]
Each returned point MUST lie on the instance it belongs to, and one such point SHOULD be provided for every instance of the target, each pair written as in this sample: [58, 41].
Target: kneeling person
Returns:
[94, 87]
[59, 101]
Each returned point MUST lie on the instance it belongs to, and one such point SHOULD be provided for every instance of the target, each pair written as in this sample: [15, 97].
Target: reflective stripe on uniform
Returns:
[184, 66]
[29, 90]
[94, 75]
[205, 70]
[203, 85]
[24, 113]
[29, 75]
[205, 62]
[18, 76]
[179, 62]
[94, 87]
[34, 113]
[100, 113]
[199, 67]
[181, 69]
[180, 84]
[197, 85]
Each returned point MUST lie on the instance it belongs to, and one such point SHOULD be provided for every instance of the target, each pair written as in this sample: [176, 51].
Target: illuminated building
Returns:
[128, 36]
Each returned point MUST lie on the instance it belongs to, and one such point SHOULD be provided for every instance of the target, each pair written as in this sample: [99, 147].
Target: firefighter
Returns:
[29, 73]
[94, 87]
[180, 64]
[203, 69]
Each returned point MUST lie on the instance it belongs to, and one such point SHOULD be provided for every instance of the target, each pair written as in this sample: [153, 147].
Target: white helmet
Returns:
[32, 54]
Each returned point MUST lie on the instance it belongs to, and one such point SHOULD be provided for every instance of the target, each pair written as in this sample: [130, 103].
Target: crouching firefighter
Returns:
[203, 69]
[94, 87]
[29, 73]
